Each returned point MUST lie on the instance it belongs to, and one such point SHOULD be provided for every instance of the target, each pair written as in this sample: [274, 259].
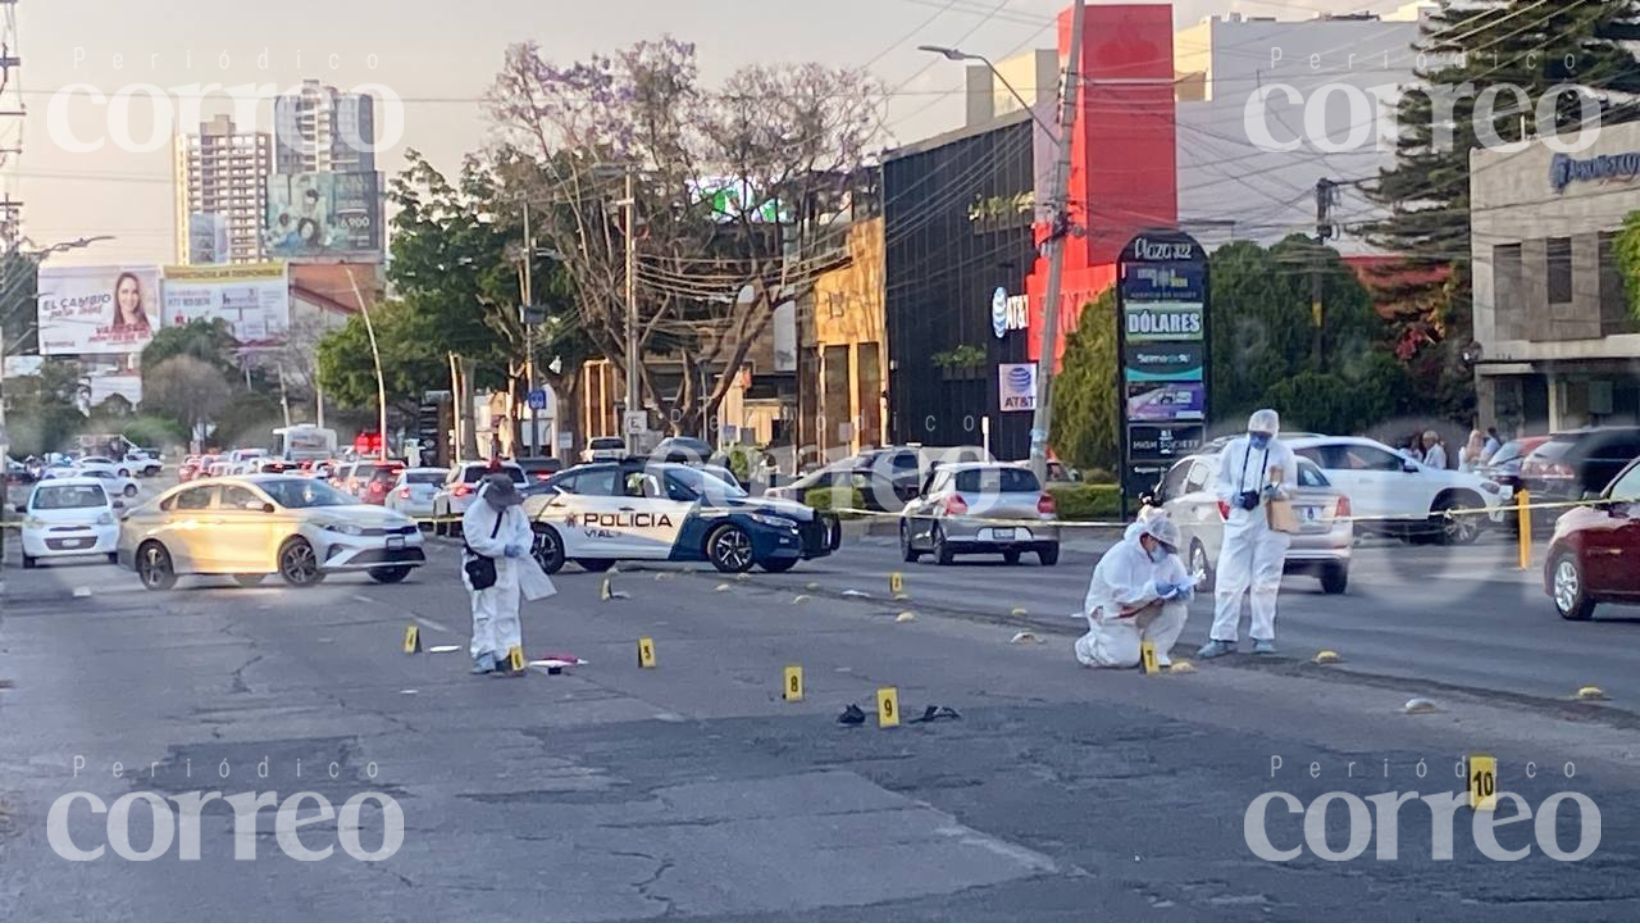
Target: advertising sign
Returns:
[1009, 312]
[1162, 339]
[1016, 386]
[254, 298]
[324, 215]
[207, 238]
[97, 309]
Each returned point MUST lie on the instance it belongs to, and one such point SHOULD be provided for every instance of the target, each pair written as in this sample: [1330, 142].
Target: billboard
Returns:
[1162, 340]
[323, 215]
[97, 309]
[254, 298]
[207, 238]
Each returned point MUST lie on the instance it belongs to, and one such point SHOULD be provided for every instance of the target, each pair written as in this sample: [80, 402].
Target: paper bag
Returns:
[1282, 517]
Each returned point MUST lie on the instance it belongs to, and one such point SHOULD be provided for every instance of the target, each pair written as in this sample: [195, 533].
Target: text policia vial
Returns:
[1279, 827]
[143, 826]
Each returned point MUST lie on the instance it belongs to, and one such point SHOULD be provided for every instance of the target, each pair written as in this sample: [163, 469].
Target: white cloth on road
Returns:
[1252, 554]
[1124, 606]
[496, 628]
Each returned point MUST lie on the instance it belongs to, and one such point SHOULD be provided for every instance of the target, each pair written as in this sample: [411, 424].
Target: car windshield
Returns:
[1553, 449]
[1506, 453]
[301, 493]
[705, 484]
[70, 497]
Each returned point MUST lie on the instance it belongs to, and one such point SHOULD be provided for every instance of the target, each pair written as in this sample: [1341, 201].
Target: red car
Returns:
[376, 481]
[1594, 556]
[194, 467]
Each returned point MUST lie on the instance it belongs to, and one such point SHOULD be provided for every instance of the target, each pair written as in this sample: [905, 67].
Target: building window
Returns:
[1559, 273]
[1509, 307]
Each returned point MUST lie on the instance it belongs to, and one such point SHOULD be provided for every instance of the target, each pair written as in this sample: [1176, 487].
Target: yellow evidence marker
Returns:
[515, 659]
[646, 652]
[888, 707]
[896, 583]
[412, 639]
[1483, 782]
[791, 685]
[1147, 657]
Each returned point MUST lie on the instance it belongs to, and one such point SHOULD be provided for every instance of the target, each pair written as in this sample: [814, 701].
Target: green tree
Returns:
[1574, 47]
[186, 389]
[211, 341]
[1627, 246]
[43, 411]
[1085, 397]
[414, 359]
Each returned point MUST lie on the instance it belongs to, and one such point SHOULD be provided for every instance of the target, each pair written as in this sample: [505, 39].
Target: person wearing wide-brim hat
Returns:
[497, 531]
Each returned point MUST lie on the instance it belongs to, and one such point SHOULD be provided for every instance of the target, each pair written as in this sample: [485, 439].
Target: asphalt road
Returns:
[691, 790]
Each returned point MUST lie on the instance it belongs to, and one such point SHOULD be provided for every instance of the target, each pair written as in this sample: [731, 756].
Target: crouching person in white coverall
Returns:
[496, 528]
[1252, 555]
[1139, 592]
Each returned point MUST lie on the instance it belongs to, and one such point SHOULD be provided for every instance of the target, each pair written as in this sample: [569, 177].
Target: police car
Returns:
[597, 514]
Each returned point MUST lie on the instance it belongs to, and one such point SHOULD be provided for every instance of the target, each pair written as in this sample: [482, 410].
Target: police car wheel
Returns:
[778, 565]
[548, 549]
[595, 565]
[729, 549]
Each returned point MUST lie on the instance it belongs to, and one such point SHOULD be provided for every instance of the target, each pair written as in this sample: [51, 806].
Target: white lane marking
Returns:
[362, 598]
[438, 627]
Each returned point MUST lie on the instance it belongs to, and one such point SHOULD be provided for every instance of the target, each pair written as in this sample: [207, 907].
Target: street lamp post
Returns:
[1042, 417]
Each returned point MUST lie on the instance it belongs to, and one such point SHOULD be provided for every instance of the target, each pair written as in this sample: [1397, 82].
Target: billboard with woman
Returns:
[98, 309]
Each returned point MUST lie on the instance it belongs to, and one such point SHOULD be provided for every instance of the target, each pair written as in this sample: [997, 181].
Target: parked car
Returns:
[255, 525]
[116, 484]
[375, 487]
[1593, 553]
[119, 467]
[68, 517]
[947, 517]
[637, 509]
[878, 491]
[686, 450]
[1188, 494]
[1574, 463]
[460, 486]
[604, 448]
[540, 468]
[190, 468]
[1505, 464]
[144, 465]
[1397, 496]
[412, 494]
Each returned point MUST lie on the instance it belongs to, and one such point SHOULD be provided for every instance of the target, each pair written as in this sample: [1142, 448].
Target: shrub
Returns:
[836, 499]
[1087, 501]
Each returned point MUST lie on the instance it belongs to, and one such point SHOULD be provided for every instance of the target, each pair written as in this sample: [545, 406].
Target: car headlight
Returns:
[1491, 487]
[776, 522]
[105, 519]
[33, 522]
[346, 529]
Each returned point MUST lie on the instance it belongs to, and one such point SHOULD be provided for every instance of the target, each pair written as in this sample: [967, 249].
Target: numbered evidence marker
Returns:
[1483, 782]
[515, 658]
[791, 684]
[646, 652]
[896, 583]
[888, 707]
[1147, 656]
[412, 639]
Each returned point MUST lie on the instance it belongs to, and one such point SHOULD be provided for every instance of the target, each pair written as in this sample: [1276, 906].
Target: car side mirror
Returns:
[118, 504]
[21, 508]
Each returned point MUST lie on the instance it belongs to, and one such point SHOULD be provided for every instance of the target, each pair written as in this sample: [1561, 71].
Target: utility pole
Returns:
[381, 381]
[1042, 419]
[632, 401]
[1325, 193]
[529, 333]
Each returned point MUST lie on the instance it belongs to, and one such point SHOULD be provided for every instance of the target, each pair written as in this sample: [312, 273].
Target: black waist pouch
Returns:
[481, 569]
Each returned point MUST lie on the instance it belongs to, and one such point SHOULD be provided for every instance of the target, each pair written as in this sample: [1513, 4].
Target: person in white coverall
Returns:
[496, 527]
[1252, 554]
[1138, 592]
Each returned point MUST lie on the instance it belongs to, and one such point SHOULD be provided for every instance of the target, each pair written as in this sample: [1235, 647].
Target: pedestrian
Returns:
[1253, 471]
[1473, 454]
[1139, 592]
[1434, 450]
[1415, 448]
[1493, 444]
[498, 538]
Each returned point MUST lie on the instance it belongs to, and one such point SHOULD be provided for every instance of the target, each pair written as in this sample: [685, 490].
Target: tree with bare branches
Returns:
[739, 196]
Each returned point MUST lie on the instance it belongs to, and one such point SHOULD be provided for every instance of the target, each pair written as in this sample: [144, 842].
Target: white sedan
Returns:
[412, 495]
[1392, 494]
[118, 485]
[68, 516]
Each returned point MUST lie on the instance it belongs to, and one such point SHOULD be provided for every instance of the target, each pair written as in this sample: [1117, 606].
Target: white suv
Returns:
[1395, 495]
[459, 489]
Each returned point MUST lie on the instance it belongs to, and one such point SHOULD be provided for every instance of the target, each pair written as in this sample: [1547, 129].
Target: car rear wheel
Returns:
[778, 565]
[1458, 530]
[1048, 555]
[1201, 569]
[595, 565]
[154, 567]
[130, 490]
[391, 575]
[248, 580]
[298, 564]
[1335, 578]
[548, 548]
[1567, 588]
[942, 549]
[729, 549]
[907, 552]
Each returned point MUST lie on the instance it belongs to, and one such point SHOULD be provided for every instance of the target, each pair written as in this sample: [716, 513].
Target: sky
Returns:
[438, 57]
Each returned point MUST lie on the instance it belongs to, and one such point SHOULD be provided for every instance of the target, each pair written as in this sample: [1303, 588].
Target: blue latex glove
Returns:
[1167, 591]
[513, 550]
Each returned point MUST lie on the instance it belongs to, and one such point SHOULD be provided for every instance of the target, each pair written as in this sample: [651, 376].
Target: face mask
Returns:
[1158, 554]
[1260, 440]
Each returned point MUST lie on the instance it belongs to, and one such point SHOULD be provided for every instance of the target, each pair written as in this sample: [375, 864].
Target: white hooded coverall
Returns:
[1252, 554]
[496, 629]
[1123, 606]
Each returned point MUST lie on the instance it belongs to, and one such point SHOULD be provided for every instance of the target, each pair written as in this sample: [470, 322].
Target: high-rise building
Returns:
[221, 193]
[320, 129]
